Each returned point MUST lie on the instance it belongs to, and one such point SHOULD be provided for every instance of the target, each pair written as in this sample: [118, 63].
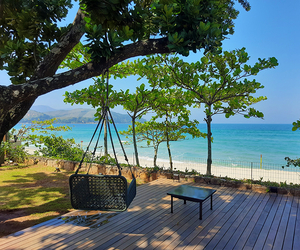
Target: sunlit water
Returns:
[239, 142]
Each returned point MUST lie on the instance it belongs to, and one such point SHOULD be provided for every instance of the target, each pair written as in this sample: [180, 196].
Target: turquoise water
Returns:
[238, 142]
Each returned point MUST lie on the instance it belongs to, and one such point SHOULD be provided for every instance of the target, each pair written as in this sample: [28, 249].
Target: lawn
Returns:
[30, 195]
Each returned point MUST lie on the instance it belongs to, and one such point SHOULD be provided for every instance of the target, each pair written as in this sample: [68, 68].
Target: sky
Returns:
[269, 29]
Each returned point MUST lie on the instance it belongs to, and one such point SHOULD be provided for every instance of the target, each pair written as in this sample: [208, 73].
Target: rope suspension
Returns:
[102, 192]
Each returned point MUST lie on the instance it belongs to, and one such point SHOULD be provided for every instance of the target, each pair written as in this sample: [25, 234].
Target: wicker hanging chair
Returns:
[102, 192]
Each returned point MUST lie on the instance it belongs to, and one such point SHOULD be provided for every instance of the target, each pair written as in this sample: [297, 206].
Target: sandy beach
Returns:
[239, 173]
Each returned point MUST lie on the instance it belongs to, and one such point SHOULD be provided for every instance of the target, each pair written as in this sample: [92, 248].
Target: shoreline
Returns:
[235, 172]
[243, 142]
[240, 173]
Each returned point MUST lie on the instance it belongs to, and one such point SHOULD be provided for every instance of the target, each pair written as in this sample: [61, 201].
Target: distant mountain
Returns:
[34, 115]
[42, 108]
[72, 116]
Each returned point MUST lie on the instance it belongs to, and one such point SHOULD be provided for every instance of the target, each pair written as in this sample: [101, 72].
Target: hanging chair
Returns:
[102, 192]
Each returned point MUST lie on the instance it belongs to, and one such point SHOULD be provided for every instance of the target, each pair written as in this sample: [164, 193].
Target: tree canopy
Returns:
[33, 43]
[219, 82]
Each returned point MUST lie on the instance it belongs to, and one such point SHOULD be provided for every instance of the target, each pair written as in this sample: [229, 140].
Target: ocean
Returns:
[269, 143]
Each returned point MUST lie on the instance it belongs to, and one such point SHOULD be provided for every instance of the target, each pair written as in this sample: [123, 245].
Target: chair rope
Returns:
[105, 117]
[102, 192]
[88, 147]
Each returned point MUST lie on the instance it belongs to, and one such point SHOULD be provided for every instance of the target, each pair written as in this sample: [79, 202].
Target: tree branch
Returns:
[35, 88]
[49, 65]
[55, 57]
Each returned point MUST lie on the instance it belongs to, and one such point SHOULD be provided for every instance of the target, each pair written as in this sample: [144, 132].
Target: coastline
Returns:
[240, 173]
[222, 169]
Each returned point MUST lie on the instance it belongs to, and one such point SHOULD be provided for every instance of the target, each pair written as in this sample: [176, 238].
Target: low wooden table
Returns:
[190, 193]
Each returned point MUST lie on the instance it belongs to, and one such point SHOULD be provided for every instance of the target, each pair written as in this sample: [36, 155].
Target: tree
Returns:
[32, 45]
[28, 133]
[99, 96]
[177, 130]
[296, 125]
[289, 161]
[138, 104]
[154, 133]
[149, 132]
[172, 104]
[219, 81]
[50, 145]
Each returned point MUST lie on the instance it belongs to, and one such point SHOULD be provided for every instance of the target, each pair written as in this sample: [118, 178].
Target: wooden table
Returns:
[190, 193]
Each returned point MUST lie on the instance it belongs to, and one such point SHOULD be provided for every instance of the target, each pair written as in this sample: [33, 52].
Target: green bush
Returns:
[292, 162]
[106, 159]
[13, 152]
[57, 147]
[49, 145]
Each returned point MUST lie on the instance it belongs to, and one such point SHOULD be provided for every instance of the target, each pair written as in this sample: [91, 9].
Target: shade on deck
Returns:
[239, 220]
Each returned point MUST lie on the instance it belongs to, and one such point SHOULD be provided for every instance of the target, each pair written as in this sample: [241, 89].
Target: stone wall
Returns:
[144, 176]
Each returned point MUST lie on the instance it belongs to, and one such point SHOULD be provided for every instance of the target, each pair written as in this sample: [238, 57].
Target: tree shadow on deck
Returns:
[31, 199]
[148, 222]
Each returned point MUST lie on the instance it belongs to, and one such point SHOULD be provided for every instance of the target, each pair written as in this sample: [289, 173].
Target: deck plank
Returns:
[275, 224]
[267, 225]
[193, 239]
[179, 225]
[289, 235]
[150, 231]
[296, 242]
[137, 209]
[192, 232]
[178, 231]
[131, 217]
[54, 232]
[283, 224]
[240, 219]
[232, 241]
[260, 223]
[251, 224]
[231, 225]
[208, 233]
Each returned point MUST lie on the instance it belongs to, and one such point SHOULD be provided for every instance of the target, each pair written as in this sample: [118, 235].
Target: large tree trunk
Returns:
[16, 100]
[209, 134]
[14, 109]
[168, 144]
[169, 152]
[9, 118]
[105, 138]
[155, 156]
[135, 143]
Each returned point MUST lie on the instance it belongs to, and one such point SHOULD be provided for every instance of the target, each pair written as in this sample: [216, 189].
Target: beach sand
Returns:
[272, 175]
[239, 173]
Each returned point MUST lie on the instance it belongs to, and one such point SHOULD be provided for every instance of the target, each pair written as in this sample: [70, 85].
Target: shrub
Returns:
[292, 162]
[106, 159]
[49, 145]
[13, 152]
[57, 147]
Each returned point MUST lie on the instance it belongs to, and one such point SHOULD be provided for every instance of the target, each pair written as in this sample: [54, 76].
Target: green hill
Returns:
[72, 116]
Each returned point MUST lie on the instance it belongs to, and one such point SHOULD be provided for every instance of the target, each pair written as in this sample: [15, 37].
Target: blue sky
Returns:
[270, 28]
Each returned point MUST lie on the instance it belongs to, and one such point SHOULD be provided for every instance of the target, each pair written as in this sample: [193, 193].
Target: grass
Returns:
[39, 192]
[30, 195]
[36, 188]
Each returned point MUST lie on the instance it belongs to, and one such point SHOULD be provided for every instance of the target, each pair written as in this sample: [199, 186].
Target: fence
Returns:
[245, 170]
[234, 169]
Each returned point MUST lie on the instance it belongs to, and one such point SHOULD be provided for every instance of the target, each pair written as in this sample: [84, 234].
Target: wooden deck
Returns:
[239, 220]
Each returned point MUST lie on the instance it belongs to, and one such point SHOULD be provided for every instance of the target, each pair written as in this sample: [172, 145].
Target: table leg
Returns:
[200, 210]
[171, 204]
[211, 202]
[184, 201]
